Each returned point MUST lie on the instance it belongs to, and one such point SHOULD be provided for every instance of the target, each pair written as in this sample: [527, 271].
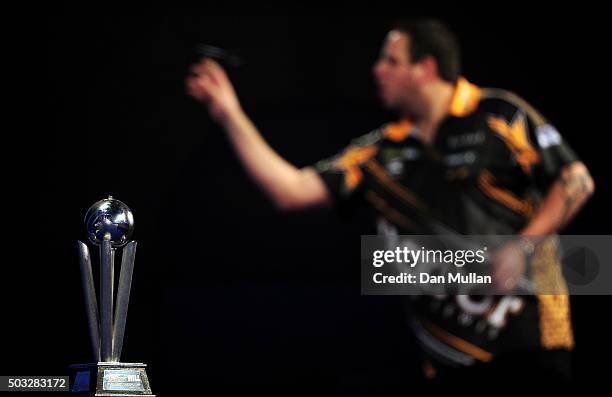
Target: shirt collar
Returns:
[465, 100]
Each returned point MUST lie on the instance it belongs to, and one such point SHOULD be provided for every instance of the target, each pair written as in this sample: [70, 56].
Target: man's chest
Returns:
[460, 151]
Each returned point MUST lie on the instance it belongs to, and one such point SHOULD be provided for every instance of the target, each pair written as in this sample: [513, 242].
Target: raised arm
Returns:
[287, 186]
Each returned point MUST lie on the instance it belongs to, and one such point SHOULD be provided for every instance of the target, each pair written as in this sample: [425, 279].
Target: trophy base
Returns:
[109, 379]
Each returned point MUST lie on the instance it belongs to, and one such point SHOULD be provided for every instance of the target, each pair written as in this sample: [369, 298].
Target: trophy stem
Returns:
[106, 299]
[91, 304]
[123, 298]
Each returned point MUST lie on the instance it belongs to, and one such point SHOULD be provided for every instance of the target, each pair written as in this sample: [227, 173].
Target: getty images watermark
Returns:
[486, 265]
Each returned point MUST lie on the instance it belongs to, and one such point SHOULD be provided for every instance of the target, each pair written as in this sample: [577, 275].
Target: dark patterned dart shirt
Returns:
[489, 165]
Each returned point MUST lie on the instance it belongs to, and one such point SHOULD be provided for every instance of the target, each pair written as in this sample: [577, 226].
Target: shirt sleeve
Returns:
[554, 154]
[342, 173]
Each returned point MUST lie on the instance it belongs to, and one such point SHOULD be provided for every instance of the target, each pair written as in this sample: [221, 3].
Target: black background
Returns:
[228, 292]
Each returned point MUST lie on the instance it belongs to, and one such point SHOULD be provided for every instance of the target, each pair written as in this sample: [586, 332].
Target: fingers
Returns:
[209, 67]
[194, 89]
[216, 70]
[209, 84]
[201, 87]
[509, 266]
[504, 281]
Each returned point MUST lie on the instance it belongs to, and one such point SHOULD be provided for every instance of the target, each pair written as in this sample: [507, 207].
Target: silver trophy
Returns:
[109, 224]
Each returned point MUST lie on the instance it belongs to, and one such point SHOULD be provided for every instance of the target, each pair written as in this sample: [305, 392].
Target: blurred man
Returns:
[477, 160]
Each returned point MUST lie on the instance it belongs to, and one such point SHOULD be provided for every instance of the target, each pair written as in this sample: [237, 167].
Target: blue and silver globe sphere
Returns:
[111, 218]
